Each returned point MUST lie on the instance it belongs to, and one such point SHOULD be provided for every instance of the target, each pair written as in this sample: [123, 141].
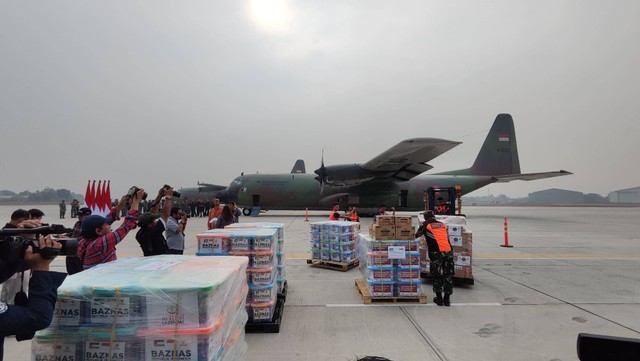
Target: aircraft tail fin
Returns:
[499, 152]
[299, 167]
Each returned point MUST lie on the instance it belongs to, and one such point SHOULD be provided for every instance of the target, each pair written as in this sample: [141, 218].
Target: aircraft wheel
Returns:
[246, 211]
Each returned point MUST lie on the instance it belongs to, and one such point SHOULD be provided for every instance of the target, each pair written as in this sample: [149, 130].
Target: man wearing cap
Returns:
[98, 242]
[82, 213]
[440, 257]
[152, 225]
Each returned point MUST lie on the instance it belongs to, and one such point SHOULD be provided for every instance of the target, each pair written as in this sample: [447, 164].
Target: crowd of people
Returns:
[161, 223]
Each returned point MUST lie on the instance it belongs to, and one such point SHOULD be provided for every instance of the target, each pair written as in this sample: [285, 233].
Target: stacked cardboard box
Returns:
[335, 241]
[151, 308]
[390, 258]
[259, 246]
[461, 239]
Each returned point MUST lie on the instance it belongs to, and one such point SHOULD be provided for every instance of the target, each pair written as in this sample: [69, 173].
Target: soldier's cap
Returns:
[84, 211]
[90, 224]
[147, 218]
[429, 215]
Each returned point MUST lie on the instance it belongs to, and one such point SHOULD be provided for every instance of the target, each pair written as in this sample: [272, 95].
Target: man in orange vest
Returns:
[440, 257]
[353, 215]
[442, 207]
[214, 212]
[335, 212]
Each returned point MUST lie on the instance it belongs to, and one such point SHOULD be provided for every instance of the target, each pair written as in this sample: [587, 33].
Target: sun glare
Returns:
[272, 15]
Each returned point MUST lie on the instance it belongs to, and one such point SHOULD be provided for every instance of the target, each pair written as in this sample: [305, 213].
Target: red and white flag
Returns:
[503, 137]
[98, 199]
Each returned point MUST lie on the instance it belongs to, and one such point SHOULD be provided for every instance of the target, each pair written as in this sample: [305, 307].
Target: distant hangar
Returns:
[629, 195]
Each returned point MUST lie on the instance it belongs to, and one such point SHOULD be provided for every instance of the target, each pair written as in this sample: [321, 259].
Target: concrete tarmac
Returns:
[571, 270]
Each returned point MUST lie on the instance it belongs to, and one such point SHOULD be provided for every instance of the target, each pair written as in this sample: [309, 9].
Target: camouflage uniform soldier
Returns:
[63, 209]
[440, 257]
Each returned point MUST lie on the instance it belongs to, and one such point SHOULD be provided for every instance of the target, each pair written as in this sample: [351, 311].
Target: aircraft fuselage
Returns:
[300, 191]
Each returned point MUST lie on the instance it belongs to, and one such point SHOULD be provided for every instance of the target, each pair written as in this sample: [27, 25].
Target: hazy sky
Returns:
[154, 92]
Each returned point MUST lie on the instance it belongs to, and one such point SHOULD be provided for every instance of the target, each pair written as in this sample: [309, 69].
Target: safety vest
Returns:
[354, 217]
[439, 231]
[332, 216]
[442, 209]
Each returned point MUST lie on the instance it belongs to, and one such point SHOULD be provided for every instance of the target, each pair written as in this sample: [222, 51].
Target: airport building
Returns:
[556, 196]
[629, 195]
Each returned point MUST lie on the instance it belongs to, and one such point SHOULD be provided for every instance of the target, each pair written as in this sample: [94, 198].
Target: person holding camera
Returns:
[152, 225]
[98, 242]
[176, 224]
[35, 313]
[20, 218]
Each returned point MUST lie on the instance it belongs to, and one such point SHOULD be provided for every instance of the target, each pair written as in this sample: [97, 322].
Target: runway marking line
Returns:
[479, 304]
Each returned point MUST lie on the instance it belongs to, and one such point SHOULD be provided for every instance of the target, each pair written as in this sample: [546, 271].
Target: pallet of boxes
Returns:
[150, 308]
[390, 262]
[461, 239]
[259, 245]
[334, 245]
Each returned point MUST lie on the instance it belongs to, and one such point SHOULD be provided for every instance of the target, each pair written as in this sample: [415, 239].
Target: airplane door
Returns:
[255, 200]
[404, 198]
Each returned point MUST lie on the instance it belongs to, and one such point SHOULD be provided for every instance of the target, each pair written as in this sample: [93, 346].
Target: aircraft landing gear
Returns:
[246, 211]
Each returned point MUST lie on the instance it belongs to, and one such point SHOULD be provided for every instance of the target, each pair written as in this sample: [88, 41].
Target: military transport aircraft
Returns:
[395, 178]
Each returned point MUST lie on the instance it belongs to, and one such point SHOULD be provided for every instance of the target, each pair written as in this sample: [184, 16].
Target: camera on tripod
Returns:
[13, 245]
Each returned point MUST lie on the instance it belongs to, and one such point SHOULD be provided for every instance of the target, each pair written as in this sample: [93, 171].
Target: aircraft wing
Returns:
[403, 161]
[409, 158]
[530, 176]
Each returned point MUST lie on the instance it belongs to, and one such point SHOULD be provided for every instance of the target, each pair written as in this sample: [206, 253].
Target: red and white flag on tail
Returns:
[98, 199]
[503, 137]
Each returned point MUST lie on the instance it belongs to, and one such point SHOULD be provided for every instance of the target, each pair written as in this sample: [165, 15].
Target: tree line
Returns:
[47, 195]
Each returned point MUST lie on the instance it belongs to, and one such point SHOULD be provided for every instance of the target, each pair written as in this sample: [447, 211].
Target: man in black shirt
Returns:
[152, 225]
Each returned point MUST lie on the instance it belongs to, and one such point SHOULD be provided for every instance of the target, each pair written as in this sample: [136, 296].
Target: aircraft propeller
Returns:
[322, 173]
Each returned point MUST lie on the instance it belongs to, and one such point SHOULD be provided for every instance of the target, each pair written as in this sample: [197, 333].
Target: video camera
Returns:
[132, 192]
[175, 193]
[13, 246]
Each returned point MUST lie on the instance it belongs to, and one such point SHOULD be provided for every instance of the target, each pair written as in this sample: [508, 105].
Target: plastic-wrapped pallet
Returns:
[279, 227]
[391, 267]
[258, 245]
[153, 308]
[335, 241]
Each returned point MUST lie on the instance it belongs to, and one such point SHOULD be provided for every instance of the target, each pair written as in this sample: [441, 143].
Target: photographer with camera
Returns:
[28, 316]
[98, 242]
[152, 225]
[20, 218]
[175, 230]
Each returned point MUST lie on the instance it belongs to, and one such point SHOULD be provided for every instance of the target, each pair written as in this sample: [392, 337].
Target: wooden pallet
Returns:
[339, 266]
[367, 298]
[268, 327]
[458, 280]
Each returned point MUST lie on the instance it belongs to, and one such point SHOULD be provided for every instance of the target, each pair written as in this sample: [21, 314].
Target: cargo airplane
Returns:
[396, 178]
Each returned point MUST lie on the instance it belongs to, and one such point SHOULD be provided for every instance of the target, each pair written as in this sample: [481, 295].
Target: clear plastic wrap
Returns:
[387, 276]
[149, 308]
[262, 244]
[334, 241]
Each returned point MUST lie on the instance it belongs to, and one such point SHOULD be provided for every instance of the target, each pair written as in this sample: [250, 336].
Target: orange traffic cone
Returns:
[306, 214]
